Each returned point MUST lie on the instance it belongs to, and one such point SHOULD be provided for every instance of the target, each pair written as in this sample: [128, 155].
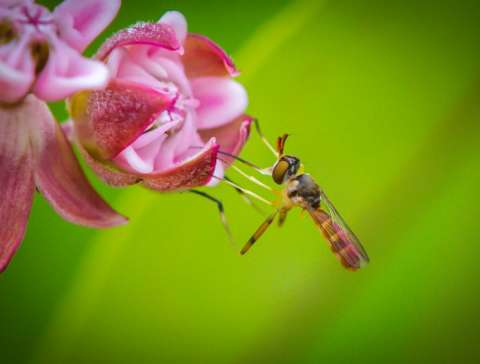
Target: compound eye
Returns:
[280, 170]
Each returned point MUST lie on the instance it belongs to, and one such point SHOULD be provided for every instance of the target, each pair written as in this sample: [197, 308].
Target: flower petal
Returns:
[155, 34]
[59, 177]
[217, 174]
[14, 2]
[195, 172]
[108, 121]
[67, 72]
[221, 100]
[109, 174]
[231, 137]
[141, 154]
[178, 22]
[17, 70]
[204, 58]
[13, 83]
[16, 180]
[80, 22]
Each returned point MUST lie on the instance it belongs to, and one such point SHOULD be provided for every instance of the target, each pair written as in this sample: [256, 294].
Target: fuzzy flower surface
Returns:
[170, 108]
[40, 60]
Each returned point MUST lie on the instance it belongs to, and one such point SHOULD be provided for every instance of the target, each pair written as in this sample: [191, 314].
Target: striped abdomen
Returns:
[351, 254]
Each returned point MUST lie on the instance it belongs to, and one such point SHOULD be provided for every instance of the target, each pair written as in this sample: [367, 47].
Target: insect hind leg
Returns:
[221, 211]
[282, 217]
[258, 233]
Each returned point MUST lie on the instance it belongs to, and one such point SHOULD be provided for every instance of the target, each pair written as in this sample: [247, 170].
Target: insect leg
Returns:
[219, 203]
[245, 197]
[264, 140]
[252, 178]
[248, 192]
[282, 217]
[258, 233]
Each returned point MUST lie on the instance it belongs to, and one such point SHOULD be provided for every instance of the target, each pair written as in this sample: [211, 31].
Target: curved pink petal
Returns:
[155, 34]
[175, 149]
[221, 100]
[130, 69]
[130, 158]
[16, 179]
[80, 22]
[217, 174]
[59, 177]
[231, 137]
[205, 58]
[178, 22]
[141, 154]
[16, 70]
[67, 72]
[195, 172]
[108, 121]
[109, 174]
[174, 69]
[14, 83]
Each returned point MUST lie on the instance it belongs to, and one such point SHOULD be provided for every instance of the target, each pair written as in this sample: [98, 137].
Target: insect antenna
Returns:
[262, 171]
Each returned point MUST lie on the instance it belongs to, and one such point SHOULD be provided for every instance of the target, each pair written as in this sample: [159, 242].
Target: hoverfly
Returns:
[299, 189]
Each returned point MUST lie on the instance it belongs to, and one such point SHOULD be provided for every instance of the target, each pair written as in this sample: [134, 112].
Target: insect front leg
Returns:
[263, 139]
[245, 197]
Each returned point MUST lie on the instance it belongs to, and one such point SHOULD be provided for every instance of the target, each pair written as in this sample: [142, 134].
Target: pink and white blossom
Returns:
[40, 50]
[170, 107]
[40, 61]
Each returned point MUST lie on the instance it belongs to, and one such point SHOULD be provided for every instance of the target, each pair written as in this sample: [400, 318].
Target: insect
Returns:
[299, 189]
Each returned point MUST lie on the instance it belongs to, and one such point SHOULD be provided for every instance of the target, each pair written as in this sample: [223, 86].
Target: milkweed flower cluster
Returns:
[154, 106]
[173, 103]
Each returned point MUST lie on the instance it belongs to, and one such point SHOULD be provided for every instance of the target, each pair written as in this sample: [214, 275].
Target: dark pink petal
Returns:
[204, 58]
[81, 21]
[231, 137]
[59, 177]
[108, 121]
[155, 34]
[16, 180]
[109, 173]
[67, 72]
[195, 172]
[221, 100]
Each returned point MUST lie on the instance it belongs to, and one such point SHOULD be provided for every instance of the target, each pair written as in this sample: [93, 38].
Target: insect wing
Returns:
[343, 241]
[350, 235]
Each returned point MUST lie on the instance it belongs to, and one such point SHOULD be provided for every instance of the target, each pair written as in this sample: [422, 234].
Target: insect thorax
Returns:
[303, 191]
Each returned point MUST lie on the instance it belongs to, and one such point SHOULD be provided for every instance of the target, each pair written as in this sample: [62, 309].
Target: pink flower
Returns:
[171, 105]
[40, 60]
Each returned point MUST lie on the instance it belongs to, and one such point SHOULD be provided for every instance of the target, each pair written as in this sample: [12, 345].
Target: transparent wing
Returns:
[338, 220]
[344, 242]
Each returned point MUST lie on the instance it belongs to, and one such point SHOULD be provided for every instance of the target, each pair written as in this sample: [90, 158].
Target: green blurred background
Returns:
[383, 101]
